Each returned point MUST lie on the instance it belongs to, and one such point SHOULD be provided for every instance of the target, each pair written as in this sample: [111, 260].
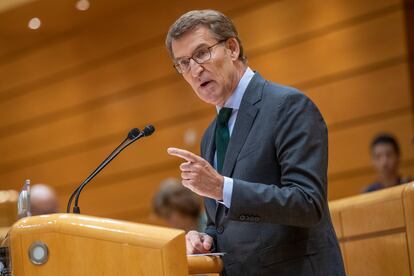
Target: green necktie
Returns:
[222, 135]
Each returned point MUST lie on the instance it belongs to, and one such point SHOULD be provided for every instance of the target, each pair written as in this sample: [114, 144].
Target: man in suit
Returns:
[263, 164]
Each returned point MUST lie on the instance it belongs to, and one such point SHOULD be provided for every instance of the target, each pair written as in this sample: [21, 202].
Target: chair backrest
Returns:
[376, 231]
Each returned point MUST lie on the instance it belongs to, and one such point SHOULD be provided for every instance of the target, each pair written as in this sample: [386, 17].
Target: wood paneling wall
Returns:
[68, 97]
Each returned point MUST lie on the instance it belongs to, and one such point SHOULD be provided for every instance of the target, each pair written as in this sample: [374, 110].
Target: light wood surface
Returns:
[8, 211]
[204, 264]
[376, 231]
[378, 256]
[8, 207]
[408, 204]
[83, 245]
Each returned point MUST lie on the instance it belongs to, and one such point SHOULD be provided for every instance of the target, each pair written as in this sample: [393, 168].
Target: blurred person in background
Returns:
[43, 200]
[178, 206]
[385, 157]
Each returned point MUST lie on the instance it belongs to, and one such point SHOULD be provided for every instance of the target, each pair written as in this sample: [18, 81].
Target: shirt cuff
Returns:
[227, 191]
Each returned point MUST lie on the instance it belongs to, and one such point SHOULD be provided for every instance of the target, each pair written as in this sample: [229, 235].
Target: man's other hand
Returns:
[198, 243]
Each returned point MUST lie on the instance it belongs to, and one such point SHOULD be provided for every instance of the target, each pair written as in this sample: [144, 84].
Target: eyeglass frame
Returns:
[177, 66]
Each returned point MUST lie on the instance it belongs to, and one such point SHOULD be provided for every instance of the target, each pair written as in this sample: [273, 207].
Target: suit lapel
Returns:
[244, 122]
[211, 145]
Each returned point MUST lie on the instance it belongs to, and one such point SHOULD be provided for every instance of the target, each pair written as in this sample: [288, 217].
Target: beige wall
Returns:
[67, 98]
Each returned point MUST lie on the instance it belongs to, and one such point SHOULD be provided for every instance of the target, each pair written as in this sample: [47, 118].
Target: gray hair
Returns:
[220, 26]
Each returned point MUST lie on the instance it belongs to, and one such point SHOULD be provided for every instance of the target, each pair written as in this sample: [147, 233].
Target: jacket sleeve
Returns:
[299, 198]
[210, 227]
[212, 232]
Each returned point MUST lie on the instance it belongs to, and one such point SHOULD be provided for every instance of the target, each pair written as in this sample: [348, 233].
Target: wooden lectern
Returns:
[69, 244]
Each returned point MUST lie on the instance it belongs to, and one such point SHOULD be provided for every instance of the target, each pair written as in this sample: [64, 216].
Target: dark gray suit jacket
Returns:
[278, 223]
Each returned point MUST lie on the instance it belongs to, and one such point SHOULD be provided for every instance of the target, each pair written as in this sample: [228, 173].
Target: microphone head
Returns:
[133, 133]
[148, 130]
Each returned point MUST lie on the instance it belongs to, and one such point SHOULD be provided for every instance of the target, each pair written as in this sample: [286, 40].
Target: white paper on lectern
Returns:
[209, 254]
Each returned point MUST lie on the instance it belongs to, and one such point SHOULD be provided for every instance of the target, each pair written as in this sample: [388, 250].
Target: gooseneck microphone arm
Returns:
[133, 136]
[133, 133]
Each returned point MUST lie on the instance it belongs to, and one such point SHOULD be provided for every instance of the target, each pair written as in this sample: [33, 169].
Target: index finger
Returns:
[185, 154]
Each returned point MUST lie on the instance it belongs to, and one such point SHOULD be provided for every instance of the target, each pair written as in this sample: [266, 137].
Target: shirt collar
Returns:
[235, 99]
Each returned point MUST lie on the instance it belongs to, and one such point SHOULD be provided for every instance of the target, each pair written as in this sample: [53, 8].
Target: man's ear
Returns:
[234, 48]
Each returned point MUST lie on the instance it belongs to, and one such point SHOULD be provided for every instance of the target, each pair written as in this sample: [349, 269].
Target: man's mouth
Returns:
[204, 84]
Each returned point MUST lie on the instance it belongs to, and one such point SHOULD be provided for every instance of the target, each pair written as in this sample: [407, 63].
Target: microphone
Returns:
[133, 135]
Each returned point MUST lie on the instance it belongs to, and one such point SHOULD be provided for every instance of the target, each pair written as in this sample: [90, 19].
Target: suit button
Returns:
[220, 229]
[256, 219]
[242, 217]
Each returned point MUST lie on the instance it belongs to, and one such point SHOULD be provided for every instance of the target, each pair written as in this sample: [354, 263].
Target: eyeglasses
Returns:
[182, 65]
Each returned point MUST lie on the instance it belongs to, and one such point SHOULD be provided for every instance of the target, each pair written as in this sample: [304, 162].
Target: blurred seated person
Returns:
[385, 156]
[178, 206]
[43, 200]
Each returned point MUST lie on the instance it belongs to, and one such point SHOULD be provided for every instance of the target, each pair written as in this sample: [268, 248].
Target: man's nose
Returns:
[195, 68]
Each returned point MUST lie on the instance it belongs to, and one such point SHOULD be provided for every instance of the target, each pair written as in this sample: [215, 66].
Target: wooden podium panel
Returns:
[204, 264]
[376, 231]
[79, 245]
[83, 245]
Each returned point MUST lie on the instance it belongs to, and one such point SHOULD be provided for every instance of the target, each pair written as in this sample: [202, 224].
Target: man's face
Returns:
[385, 159]
[214, 80]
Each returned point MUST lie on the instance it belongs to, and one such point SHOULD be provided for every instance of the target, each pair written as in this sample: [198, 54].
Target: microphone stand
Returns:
[133, 135]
